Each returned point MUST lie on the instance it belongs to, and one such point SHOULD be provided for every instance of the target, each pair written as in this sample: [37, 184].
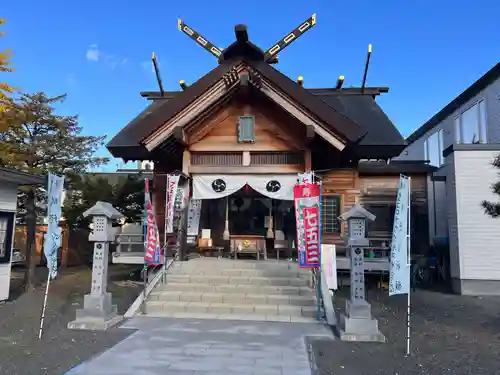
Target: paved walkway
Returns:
[170, 346]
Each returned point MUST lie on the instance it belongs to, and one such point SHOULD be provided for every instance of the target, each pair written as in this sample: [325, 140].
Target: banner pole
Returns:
[44, 306]
[164, 278]
[408, 238]
[52, 240]
[145, 266]
[320, 235]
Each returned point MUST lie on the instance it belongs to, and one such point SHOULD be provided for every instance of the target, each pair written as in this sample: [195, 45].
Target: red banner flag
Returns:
[307, 196]
[312, 237]
[153, 253]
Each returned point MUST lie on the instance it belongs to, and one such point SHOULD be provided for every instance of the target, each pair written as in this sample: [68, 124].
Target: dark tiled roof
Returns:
[160, 111]
[20, 177]
[360, 108]
[492, 75]
[395, 167]
[337, 121]
[364, 111]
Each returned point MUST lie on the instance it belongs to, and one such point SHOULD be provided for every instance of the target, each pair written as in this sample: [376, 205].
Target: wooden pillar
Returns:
[186, 162]
[64, 243]
[307, 161]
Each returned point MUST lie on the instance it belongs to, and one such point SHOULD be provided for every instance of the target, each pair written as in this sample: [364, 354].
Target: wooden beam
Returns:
[198, 133]
[340, 82]
[294, 139]
[190, 112]
[300, 115]
[184, 118]
[180, 136]
[310, 133]
[275, 169]
[186, 162]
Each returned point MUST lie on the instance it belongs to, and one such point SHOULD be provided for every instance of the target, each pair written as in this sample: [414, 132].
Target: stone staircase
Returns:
[235, 290]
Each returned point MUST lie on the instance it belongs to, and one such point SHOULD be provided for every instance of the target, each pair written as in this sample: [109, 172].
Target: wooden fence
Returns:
[75, 247]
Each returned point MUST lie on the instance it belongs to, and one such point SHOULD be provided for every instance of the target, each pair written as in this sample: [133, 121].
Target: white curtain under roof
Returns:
[212, 186]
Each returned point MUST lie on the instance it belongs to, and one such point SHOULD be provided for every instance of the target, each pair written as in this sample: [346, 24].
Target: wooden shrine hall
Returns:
[242, 132]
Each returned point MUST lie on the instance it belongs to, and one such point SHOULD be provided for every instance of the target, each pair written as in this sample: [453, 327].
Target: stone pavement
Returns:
[170, 346]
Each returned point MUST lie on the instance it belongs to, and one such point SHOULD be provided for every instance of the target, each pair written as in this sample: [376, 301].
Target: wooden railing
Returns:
[276, 158]
[219, 158]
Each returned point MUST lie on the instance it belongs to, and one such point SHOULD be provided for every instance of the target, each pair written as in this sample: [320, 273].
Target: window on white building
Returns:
[470, 126]
[433, 148]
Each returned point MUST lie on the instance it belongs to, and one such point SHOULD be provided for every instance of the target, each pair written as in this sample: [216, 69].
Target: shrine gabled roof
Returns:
[354, 119]
[160, 111]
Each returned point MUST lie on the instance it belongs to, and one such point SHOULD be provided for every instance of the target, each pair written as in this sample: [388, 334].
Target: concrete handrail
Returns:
[330, 316]
[136, 305]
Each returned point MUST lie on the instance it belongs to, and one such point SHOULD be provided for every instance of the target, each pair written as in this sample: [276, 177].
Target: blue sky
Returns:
[99, 52]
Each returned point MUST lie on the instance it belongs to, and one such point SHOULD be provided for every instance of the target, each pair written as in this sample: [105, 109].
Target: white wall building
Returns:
[10, 180]
[462, 140]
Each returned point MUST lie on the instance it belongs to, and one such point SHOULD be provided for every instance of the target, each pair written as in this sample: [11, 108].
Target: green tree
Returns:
[493, 208]
[37, 140]
[126, 195]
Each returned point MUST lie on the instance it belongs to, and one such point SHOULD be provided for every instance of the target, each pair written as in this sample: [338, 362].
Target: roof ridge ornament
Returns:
[290, 37]
[241, 33]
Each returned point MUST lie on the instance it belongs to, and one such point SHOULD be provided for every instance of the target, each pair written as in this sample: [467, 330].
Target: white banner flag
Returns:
[52, 239]
[172, 186]
[329, 265]
[194, 213]
[399, 278]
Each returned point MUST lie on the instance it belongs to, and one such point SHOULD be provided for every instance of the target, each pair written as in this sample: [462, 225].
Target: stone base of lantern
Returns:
[358, 324]
[98, 314]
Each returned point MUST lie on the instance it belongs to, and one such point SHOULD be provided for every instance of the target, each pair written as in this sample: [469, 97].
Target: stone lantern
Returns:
[357, 324]
[98, 312]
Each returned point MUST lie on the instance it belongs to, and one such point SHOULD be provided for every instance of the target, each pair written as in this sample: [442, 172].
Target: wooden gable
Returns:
[272, 132]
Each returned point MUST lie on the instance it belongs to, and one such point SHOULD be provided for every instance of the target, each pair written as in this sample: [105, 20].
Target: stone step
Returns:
[238, 289]
[247, 317]
[233, 298]
[248, 272]
[239, 264]
[227, 308]
[237, 280]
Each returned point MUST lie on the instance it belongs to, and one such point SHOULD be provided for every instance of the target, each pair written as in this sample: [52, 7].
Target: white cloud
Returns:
[93, 53]
[70, 79]
[147, 66]
[111, 61]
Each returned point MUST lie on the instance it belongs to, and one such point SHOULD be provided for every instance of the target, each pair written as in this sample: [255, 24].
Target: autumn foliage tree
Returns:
[37, 140]
[493, 208]
[5, 67]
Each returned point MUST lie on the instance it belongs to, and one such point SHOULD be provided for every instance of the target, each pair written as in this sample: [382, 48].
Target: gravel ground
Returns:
[21, 353]
[451, 334]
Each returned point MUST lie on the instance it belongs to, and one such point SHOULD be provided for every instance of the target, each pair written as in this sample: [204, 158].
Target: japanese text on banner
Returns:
[152, 254]
[52, 240]
[194, 213]
[399, 277]
[311, 228]
[172, 186]
[305, 195]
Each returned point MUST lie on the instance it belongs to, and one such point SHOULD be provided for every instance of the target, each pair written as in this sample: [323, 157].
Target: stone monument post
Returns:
[98, 312]
[357, 324]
